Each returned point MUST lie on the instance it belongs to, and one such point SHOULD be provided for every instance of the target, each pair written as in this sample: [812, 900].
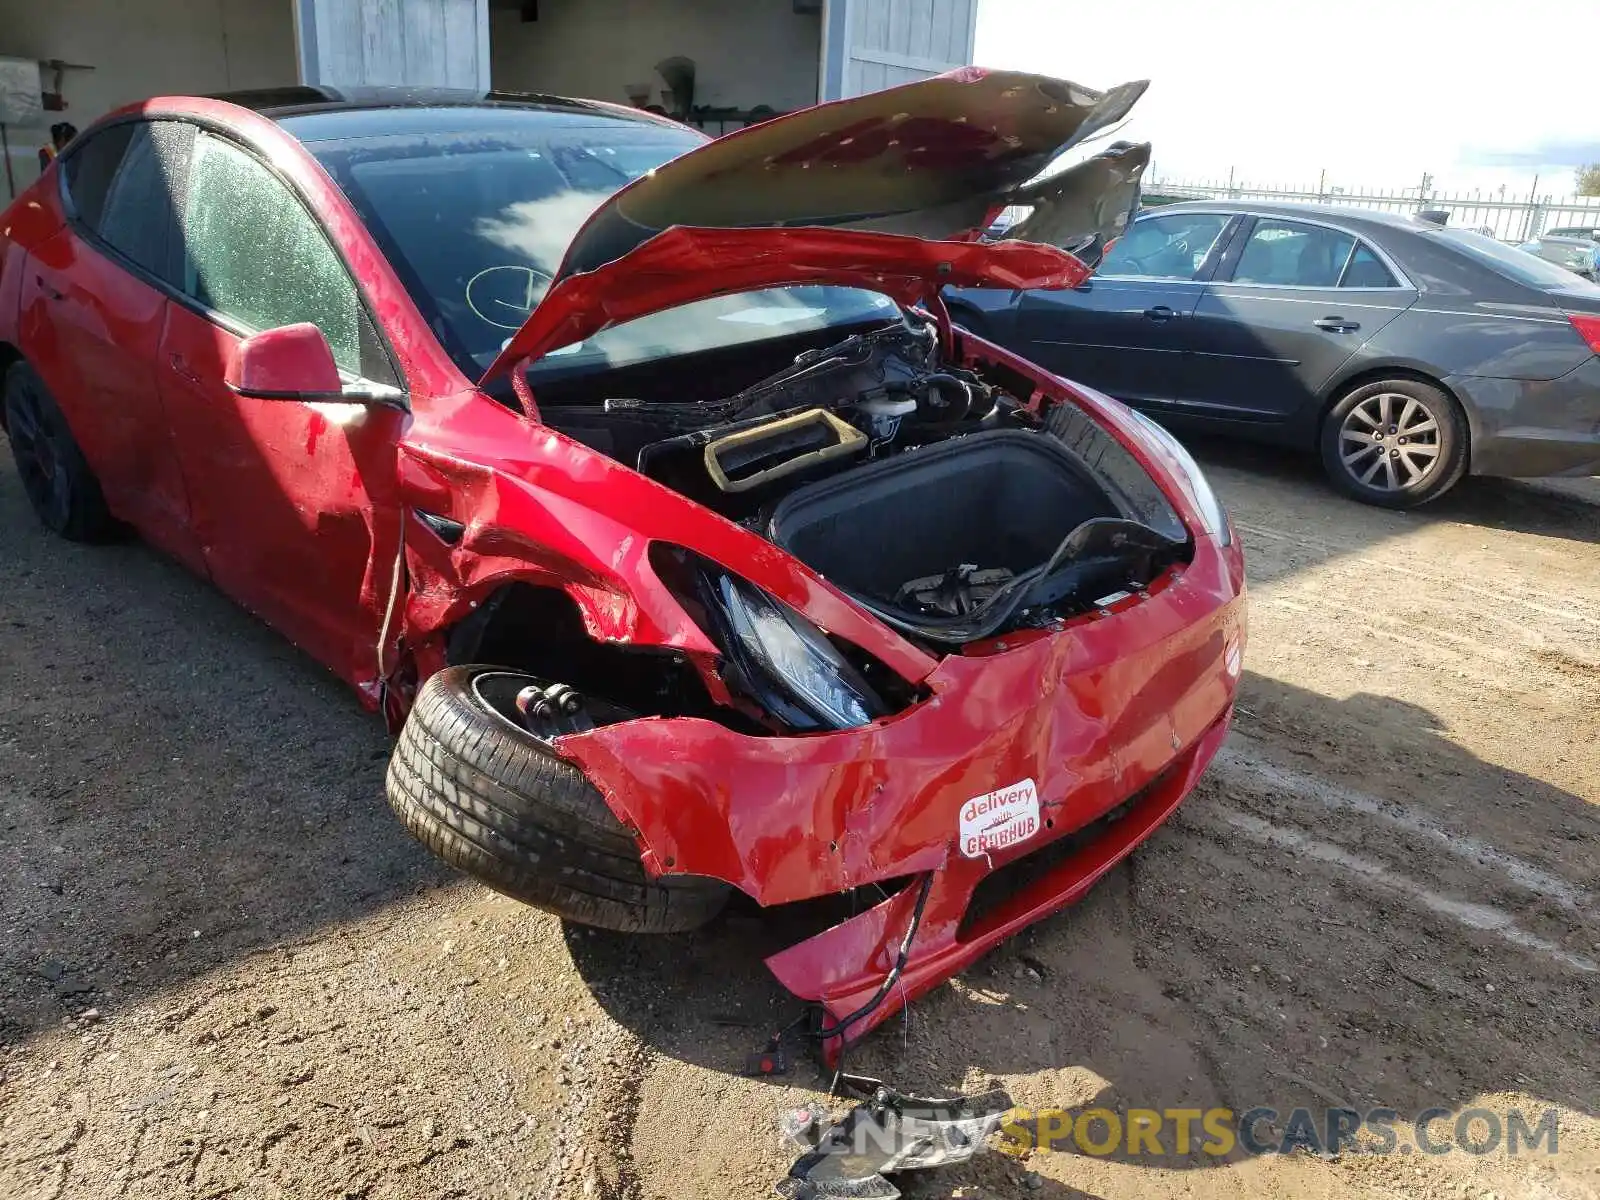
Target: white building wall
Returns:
[746, 52]
[142, 48]
[417, 43]
[891, 42]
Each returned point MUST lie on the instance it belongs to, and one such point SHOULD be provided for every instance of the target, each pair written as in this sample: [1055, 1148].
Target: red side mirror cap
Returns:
[293, 362]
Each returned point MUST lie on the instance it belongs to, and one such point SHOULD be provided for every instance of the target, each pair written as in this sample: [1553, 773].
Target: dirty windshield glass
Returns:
[476, 214]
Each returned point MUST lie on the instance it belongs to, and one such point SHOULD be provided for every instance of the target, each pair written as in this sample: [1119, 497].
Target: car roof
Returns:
[1350, 214]
[319, 113]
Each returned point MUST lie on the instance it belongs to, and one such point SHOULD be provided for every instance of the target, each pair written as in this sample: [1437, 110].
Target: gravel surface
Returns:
[225, 971]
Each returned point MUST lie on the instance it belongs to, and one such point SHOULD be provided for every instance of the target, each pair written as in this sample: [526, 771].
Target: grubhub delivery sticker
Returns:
[999, 819]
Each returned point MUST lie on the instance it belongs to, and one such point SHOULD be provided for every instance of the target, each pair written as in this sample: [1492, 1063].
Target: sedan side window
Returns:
[1366, 270]
[1289, 254]
[253, 253]
[1171, 246]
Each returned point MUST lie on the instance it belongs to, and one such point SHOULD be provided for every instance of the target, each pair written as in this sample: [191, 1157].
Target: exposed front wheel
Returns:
[1396, 443]
[488, 797]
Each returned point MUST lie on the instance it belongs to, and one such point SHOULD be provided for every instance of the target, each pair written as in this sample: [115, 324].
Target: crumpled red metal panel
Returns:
[844, 967]
[1090, 714]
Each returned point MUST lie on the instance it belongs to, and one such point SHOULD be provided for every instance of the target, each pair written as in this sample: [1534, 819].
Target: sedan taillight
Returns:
[1588, 328]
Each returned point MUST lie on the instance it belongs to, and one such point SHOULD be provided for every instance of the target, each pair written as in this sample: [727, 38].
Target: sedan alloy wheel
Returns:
[1395, 442]
[1390, 442]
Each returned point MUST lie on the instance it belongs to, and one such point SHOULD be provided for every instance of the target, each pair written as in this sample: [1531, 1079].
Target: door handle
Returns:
[1337, 324]
[181, 368]
[1160, 313]
[47, 289]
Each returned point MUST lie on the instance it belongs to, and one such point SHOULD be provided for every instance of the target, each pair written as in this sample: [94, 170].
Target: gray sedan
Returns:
[1405, 353]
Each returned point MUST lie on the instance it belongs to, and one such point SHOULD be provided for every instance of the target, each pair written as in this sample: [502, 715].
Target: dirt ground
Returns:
[225, 971]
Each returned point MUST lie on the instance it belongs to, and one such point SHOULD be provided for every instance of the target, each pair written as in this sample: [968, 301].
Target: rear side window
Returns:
[1289, 254]
[89, 168]
[125, 183]
[254, 254]
[1366, 270]
[139, 217]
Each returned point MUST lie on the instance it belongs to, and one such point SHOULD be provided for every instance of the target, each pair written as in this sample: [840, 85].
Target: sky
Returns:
[1479, 94]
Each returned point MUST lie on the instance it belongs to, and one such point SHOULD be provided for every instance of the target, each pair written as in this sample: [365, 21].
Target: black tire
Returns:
[63, 491]
[496, 802]
[1396, 443]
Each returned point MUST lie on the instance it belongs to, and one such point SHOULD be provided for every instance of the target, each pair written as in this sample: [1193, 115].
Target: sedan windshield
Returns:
[476, 210]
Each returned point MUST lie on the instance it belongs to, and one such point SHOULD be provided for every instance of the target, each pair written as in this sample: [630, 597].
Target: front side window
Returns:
[1171, 246]
[254, 254]
[1289, 254]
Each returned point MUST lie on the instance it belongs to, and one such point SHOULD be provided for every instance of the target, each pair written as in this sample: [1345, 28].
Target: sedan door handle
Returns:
[1160, 313]
[47, 289]
[1337, 324]
[181, 368]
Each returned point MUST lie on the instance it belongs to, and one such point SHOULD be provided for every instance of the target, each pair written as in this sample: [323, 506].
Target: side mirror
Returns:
[293, 362]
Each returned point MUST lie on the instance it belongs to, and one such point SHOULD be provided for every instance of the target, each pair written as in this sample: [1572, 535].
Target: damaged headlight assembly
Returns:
[785, 662]
[1211, 510]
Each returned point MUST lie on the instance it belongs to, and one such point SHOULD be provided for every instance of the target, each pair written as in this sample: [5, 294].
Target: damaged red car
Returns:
[643, 482]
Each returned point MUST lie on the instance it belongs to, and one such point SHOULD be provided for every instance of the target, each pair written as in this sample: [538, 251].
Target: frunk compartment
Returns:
[1003, 499]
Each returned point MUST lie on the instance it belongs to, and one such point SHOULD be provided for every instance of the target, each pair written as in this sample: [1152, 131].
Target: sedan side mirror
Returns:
[293, 362]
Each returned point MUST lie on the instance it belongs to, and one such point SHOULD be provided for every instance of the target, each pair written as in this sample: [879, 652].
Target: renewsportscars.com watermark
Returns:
[1262, 1130]
[1219, 1132]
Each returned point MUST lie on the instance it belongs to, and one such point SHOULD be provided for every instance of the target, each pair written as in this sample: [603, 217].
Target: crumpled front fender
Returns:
[538, 507]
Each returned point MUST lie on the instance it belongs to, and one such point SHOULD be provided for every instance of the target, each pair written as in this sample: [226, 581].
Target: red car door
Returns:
[294, 503]
[93, 310]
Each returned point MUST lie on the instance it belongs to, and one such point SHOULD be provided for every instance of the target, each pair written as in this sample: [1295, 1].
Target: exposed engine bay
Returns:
[930, 494]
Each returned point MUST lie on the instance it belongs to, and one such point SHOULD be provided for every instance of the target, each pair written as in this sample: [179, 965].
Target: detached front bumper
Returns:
[1122, 710]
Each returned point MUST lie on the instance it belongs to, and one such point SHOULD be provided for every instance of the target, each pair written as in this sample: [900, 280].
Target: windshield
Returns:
[476, 214]
[1513, 261]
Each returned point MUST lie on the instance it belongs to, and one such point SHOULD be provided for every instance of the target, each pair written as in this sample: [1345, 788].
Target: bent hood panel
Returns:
[929, 159]
[1087, 206]
[683, 265]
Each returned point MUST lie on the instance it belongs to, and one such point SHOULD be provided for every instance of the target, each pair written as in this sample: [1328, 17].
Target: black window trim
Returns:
[1402, 281]
[175, 291]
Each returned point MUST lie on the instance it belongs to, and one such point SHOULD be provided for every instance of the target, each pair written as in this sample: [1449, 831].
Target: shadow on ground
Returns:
[178, 785]
[1557, 508]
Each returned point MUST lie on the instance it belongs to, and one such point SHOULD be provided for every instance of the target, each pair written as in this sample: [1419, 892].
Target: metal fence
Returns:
[1510, 218]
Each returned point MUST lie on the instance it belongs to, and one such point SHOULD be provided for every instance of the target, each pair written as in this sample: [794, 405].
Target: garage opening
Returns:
[717, 65]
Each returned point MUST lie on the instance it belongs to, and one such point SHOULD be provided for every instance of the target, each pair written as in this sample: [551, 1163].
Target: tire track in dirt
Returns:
[1472, 915]
[1241, 765]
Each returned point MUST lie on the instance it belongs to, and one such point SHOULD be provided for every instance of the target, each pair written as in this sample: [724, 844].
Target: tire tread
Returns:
[497, 803]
